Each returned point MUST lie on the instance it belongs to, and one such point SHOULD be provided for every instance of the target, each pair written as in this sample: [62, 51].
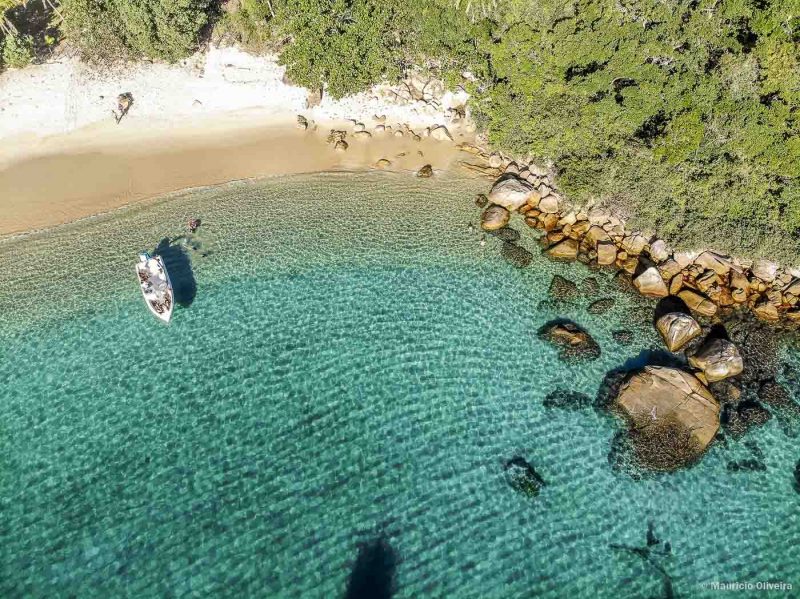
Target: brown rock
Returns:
[698, 303]
[765, 310]
[673, 416]
[707, 280]
[549, 221]
[580, 227]
[765, 270]
[676, 284]
[668, 269]
[494, 217]
[425, 172]
[677, 329]
[634, 244]
[595, 235]
[606, 253]
[549, 204]
[717, 262]
[718, 359]
[650, 283]
[565, 250]
[631, 264]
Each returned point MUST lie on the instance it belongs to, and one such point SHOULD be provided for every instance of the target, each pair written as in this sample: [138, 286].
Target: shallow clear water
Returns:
[354, 366]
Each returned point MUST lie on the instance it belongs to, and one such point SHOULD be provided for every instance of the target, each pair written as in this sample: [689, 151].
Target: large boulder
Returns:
[511, 192]
[494, 217]
[606, 253]
[677, 329]
[717, 262]
[765, 270]
[549, 204]
[698, 303]
[575, 343]
[564, 250]
[650, 283]
[673, 416]
[718, 359]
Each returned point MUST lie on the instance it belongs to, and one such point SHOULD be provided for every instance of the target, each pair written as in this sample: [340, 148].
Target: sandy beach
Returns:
[221, 116]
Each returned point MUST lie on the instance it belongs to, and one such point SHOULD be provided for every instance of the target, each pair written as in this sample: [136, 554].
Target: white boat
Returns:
[156, 287]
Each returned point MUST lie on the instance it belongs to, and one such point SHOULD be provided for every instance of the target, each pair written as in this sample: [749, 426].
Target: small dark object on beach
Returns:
[522, 477]
[124, 103]
[194, 224]
[481, 200]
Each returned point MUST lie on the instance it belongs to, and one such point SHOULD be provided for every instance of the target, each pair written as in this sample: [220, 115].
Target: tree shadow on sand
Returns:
[373, 575]
[179, 268]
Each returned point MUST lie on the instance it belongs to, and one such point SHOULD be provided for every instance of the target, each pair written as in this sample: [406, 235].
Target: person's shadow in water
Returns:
[179, 268]
[373, 575]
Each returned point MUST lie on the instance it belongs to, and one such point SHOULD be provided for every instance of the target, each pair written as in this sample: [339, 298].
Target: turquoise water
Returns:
[353, 366]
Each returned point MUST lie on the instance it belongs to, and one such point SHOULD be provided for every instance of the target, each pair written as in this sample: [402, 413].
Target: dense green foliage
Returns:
[686, 113]
[17, 50]
[106, 30]
[683, 113]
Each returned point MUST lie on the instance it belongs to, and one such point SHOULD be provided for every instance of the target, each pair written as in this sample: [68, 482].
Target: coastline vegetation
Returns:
[685, 116]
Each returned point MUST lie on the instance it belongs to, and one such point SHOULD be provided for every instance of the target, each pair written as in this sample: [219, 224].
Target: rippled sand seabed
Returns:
[348, 376]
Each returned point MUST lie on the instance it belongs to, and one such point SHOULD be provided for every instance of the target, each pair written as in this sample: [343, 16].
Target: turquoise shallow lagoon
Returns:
[352, 366]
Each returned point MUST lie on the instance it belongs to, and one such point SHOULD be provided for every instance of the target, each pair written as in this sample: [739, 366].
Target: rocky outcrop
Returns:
[494, 217]
[673, 417]
[677, 329]
[522, 477]
[575, 343]
[718, 359]
[650, 283]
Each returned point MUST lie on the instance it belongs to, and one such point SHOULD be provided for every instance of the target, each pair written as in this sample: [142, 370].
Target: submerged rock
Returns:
[739, 420]
[601, 306]
[506, 234]
[677, 329]
[563, 289]
[718, 359]
[672, 415]
[522, 477]
[622, 337]
[575, 343]
[567, 400]
[516, 255]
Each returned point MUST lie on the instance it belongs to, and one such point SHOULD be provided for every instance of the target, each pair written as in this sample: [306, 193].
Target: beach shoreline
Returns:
[220, 116]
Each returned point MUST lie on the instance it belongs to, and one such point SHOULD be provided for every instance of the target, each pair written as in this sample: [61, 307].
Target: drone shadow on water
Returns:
[373, 575]
[179, 267]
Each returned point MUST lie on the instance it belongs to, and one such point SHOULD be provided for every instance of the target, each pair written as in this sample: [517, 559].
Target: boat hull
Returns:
[156, 286]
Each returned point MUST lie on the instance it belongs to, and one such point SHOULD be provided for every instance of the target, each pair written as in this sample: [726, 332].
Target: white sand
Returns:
[60, 97]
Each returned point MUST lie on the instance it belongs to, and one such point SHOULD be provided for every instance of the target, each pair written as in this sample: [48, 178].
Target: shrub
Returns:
[17, 50]
[109, 30]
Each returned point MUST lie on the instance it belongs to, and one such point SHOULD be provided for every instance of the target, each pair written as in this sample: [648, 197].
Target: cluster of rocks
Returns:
[361, 133]
[522, 477]
[706, 281]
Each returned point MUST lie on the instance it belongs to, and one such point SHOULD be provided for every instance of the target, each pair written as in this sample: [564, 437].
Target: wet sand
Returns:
[49, 181]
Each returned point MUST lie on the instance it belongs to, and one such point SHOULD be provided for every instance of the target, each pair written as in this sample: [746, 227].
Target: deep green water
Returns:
[354, 366]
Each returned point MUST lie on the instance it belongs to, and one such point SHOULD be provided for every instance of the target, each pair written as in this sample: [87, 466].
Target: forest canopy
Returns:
[684, 114]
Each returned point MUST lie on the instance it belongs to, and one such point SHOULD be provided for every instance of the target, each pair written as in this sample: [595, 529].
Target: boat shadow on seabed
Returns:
[179, 268]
